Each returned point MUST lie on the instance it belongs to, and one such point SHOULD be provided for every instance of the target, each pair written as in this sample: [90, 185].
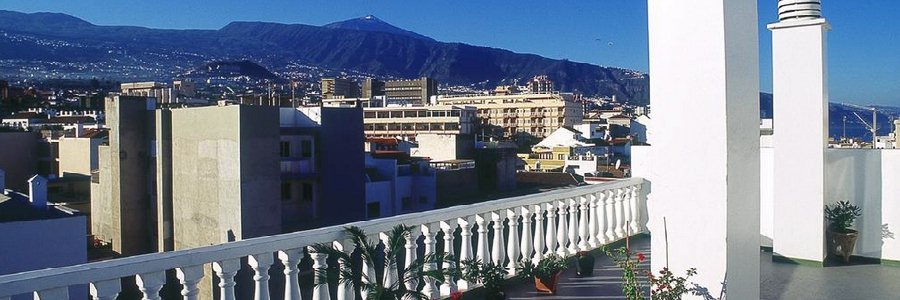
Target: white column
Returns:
[562, 231]
[290, 259]
[189, 277]
[527, 240]
[106, 290]
[320, 264]
[391, 273]
[800, 86]
[60, 293]
[411, 256]
[572, 246]
[610, 216]
[704, 57]
[512, 241]
[260, 263]
[620, 214]
[465, 249]
[448, 286]
[551, 229]
[368, 271]
[592, 223]
[583, 213]
[226, 270]
[601, 219]
[538, 234]
[345, 285]
[150, 284]
[483, 252]
[430, 289]
[636, 226]
[498, 255]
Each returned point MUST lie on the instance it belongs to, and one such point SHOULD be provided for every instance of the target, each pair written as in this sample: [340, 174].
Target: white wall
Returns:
[704, 61]
[766, 191]
[868, 178]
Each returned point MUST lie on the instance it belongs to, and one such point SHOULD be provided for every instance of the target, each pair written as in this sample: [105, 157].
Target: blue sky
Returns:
[864, 59]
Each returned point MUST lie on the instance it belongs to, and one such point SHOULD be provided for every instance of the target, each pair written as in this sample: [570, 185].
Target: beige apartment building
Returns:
[408, 121]
[537, 114]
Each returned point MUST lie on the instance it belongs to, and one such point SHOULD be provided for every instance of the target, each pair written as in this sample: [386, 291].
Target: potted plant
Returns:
[842, 239]
[545, 272]
[491, 276]
[371, 286]
[584, 264]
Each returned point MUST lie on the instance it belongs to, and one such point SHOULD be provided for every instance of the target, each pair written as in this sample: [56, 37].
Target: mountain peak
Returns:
[373, 23]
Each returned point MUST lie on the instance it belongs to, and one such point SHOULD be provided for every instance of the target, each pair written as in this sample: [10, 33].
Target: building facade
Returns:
[537, 115]
[339, 88]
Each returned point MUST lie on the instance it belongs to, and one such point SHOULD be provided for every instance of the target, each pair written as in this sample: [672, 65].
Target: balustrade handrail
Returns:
[27, 282]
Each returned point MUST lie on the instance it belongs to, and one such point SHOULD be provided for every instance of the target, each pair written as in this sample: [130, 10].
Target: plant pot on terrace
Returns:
[841, 239]
[584, 264]
[491, 276]
[545, 273]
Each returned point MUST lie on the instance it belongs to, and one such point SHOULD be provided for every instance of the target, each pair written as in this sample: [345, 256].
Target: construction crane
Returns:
[873, 127]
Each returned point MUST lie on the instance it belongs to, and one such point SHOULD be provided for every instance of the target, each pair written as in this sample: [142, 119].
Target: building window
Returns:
[285, 149]
[373, 210]
[406, 202]
[307, 192]
[285, 191]
[306, 149]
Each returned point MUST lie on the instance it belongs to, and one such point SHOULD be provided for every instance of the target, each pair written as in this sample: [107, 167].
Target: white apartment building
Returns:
[535, 114]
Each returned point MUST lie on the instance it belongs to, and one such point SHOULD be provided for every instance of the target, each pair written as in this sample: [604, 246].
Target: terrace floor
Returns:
[779, 281]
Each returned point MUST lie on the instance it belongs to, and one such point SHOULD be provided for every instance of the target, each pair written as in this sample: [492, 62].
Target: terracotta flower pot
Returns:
[548, 286]
[842, 243]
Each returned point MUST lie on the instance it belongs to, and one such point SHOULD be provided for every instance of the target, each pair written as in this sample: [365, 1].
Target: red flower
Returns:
[641, 257]
[456, 295]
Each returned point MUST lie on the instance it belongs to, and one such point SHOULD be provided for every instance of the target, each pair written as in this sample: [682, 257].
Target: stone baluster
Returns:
[226, 270]
[636, 226]
[290, 259]
[538, 234]
[190, 277]
[150, 284]
[551, 229]
[610, 217]
[391, 274]
[368, 271]
[572, 246]
[59, 293]
[482, 252]
[411, 257]
[562, 231]
[626, 211]
[449, 285]
[260, 263]
[465, 248]
[320, 266]
[601, 219]
[620, 214]
[430, 289]
[498, 253]
[345, 286]
[527, 241]
[592, 223]
[583, 214]
[105, 290]
[512, 241]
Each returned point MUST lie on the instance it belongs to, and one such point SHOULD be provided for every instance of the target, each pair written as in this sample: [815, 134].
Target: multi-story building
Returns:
[408, 121]
[540, 84]
[537, 115]
[176, 93]
[397, 184]
[339, 88]
[418, 91]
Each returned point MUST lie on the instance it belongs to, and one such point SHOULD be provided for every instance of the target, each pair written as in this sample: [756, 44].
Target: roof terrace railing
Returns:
[502, 231]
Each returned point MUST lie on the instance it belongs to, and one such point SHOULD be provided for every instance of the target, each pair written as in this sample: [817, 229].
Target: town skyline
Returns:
[618, 38]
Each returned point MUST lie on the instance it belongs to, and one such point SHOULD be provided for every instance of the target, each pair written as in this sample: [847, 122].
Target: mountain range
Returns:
[366, 45]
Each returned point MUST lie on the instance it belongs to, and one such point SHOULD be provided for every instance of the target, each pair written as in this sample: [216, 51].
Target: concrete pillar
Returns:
[704, 194]
[2, 181]
[801, 130]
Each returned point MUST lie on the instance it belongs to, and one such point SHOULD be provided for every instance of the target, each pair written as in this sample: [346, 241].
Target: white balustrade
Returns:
[411, 255]
[189, 277]
[507, 230]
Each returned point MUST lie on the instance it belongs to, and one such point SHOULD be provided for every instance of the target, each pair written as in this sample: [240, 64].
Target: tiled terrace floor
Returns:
[779, 281]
